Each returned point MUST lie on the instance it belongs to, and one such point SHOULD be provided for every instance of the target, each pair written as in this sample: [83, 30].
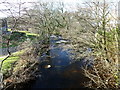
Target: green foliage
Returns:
[85, 29]
[17, 37]
[32, 37]
[7, 65]
[9, 62]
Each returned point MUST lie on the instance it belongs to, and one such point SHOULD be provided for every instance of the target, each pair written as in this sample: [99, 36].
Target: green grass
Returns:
[9, 30]
[4, 45]
[16, 38]
[28, 33]
[9, 61]
[15, 41]
[15, 56]
[18, 52]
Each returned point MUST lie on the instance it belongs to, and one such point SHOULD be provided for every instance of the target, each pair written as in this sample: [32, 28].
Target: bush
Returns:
[17, 35]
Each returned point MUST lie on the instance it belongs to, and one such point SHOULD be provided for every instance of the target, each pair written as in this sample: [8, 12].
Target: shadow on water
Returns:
[57, 71]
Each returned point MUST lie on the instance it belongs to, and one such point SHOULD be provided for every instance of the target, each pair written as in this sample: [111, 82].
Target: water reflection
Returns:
[57, 71]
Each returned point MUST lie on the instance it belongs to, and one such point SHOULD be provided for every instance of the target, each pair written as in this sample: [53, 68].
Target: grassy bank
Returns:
[16, 38]
[9, 62]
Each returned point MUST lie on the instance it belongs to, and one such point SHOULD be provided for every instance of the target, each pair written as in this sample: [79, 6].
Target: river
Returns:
[58, 70]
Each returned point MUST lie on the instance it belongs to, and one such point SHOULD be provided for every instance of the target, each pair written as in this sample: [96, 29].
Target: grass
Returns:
[28, 33]
[9, 30]
[4, 45]
[18, 37]
[7, 64]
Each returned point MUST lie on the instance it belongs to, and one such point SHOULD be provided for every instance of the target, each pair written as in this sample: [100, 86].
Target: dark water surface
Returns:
[60, 73]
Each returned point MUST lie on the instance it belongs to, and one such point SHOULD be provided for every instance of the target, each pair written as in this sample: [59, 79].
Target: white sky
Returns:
[71, 3]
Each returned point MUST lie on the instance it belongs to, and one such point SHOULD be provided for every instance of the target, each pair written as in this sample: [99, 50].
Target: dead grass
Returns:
[24, 70]
[102, 75]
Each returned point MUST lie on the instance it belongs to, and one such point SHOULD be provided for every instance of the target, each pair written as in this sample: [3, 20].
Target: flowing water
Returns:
[58, 71]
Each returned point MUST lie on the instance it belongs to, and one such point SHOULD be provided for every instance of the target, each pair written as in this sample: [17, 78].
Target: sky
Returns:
[68, 3]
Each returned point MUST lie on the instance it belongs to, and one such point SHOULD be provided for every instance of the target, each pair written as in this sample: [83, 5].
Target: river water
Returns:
[58, 71]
